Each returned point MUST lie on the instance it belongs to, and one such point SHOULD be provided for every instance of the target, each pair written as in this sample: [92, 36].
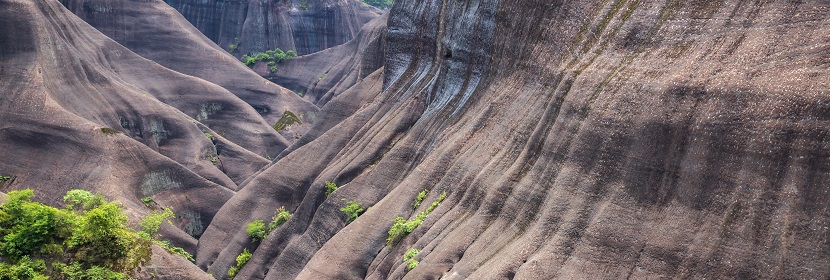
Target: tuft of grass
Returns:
[210, 136]
[148, 201]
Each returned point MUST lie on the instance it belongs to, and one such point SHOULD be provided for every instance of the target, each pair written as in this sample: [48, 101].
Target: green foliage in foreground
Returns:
[89, 239]
[409, 258]
[383, 4]
[241, 260]
[401, 227]
[352, 210]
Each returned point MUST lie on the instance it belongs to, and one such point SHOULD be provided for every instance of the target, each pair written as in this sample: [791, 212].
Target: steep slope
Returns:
[79, 110]
[574, 139]
[306, 26]
[157, 32]
[323, 75]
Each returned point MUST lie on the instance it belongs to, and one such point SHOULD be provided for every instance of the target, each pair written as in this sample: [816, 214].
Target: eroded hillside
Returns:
[550, 139]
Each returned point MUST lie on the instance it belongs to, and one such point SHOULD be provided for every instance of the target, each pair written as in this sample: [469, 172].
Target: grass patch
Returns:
[409, 258]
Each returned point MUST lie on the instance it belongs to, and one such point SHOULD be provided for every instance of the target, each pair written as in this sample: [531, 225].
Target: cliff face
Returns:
[157, 32]
[305, 26]
[574, 139]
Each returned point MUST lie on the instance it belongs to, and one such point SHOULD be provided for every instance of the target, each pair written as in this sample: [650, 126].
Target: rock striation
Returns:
[574, 139]
[306, 26]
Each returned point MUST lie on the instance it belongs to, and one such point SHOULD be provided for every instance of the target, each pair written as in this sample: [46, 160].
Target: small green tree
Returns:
[280, 217]
[352, 210]
[256, 230]
[241, 260]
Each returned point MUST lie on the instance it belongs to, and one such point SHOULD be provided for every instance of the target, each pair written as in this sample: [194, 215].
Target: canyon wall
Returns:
[574, 139]
[306, 26]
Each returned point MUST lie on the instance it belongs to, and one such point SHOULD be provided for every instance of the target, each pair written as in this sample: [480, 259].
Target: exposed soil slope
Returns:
[574, 139]
[306, 26]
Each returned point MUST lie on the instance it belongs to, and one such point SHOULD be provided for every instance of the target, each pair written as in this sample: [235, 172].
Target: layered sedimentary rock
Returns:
[574, 139]
[305, 26]
[157, 32]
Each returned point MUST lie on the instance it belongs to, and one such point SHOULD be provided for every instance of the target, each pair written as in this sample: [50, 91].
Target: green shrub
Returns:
[279, 218]
[148, 201]
[273, 69]
[210, 136]
[88, 239]
[409, 258]
[241, 260]
[151, 223]
[5, 178]
[401, 227]
[256, 230]
[352, 211]
[419, 199]
[330, 188]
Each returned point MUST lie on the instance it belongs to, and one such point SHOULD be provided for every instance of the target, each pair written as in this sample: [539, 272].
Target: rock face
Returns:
[157, 32]
[305, 26]
[574, 139]
[323, 75]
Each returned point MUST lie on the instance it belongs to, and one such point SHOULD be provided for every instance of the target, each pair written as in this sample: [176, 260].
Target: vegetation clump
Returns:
[402, 227]
[352, 210]
[89, 239]
[330, 188]
[241, 260]
[288, 119]
[109, 131]
[409, 258]
[271, 56]
[419, 199]
[257, 229]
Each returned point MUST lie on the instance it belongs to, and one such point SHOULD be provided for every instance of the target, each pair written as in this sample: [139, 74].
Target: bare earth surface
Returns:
[573, 139]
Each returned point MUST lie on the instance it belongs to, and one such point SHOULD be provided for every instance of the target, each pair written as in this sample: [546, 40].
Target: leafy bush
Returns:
[419, 199]
[89, 239]
[330, 188]
[5, 178]
[401, 227]
[279, 218]
[409, 258]
[273, 69]
[273, 56]
[352, 211]
[256, 230]
[241, 260]
[151, 223]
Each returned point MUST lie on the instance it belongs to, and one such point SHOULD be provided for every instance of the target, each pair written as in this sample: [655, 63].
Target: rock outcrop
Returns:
[552, 139]
[574, 139]
[157, 32]
[306, 26]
